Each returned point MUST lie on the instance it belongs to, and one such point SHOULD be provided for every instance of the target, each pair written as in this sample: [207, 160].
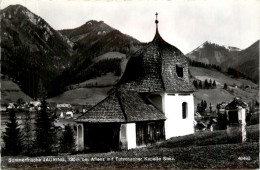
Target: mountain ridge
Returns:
[41, 52]
[245, 60]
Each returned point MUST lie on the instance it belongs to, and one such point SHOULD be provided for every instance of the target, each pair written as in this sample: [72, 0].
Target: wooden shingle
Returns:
[122, 106]
[153, 69]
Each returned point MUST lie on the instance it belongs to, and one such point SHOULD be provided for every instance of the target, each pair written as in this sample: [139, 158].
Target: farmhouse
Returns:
[153, 101]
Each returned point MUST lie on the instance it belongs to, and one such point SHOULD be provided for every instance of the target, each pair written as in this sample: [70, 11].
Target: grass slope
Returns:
[81, 96]
[218, 95]
[200, 150]
[220, 78]
[10, 92]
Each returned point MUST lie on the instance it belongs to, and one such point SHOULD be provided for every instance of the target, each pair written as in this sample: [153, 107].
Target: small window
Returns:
[123, 131]
[184, 110]
[179, 71]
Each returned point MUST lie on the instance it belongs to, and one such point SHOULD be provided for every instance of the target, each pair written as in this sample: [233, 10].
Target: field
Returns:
[81, 96]
[200, 150]
[220, 78]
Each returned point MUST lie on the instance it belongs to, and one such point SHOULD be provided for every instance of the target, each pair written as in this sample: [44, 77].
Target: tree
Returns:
[225, 86]
[195, 83]
[198, 108]
[201, 106]
[204, 104]
[200, 84]
[67, 140]
[117, 71]
[27, 135]
[46, 139]
[12, 137]
[210, 108]
[206, 84]
[41, 91]
[20, 101]
[210, 83]
[214, 83]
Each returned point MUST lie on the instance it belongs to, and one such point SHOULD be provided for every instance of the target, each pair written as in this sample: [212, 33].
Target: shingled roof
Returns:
[154, 68]
[122, 106]
[235, 103]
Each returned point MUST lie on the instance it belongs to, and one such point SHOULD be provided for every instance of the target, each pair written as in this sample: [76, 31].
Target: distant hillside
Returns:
[249, 61]
[11, 92]
[95, 89]
[218, 95]
[33, 53]
[245, 61]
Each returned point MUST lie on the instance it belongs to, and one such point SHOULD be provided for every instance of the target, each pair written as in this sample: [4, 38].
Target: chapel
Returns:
[153, 101]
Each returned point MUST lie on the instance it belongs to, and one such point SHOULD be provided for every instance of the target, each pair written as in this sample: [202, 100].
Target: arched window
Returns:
[184, 110]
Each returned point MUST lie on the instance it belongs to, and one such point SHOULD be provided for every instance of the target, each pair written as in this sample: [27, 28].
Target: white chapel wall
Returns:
[175, 125]
[131, 135]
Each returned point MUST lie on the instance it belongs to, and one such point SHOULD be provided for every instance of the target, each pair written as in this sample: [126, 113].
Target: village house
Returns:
[153, 101]
[64, 110]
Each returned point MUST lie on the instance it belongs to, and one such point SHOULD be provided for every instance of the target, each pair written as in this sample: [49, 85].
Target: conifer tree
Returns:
[12, 137]
[67, 140]
[200, 84]
[205, 104]
[198, 108]
[206, 84]
[214, 83]
[28, 135]
[210, 83]
[195, 83]
[225, 86]
[46, 138]
[41, 91]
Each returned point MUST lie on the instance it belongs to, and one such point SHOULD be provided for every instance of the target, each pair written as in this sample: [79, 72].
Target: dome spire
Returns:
[157, 36]
[156, 22]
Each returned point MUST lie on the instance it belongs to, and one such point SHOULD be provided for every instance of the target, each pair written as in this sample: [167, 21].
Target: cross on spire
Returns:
[157, 35]
[156, 21]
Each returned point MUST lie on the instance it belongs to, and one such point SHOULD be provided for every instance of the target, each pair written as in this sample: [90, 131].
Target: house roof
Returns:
[235, 103]
[154, 68]
[122, 106]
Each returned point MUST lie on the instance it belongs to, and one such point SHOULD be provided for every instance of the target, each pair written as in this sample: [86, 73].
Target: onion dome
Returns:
[157, 67]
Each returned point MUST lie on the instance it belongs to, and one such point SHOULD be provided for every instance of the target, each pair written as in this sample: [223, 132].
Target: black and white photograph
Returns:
[129, 84]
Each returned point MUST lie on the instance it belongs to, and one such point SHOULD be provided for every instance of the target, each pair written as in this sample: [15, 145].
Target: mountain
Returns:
[33, 53]
[211, 53]
[95, 38]
[50, 60]
[245, 61]
[248, 62]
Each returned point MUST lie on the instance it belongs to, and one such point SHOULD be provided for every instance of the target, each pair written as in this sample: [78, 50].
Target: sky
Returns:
[185, 24]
